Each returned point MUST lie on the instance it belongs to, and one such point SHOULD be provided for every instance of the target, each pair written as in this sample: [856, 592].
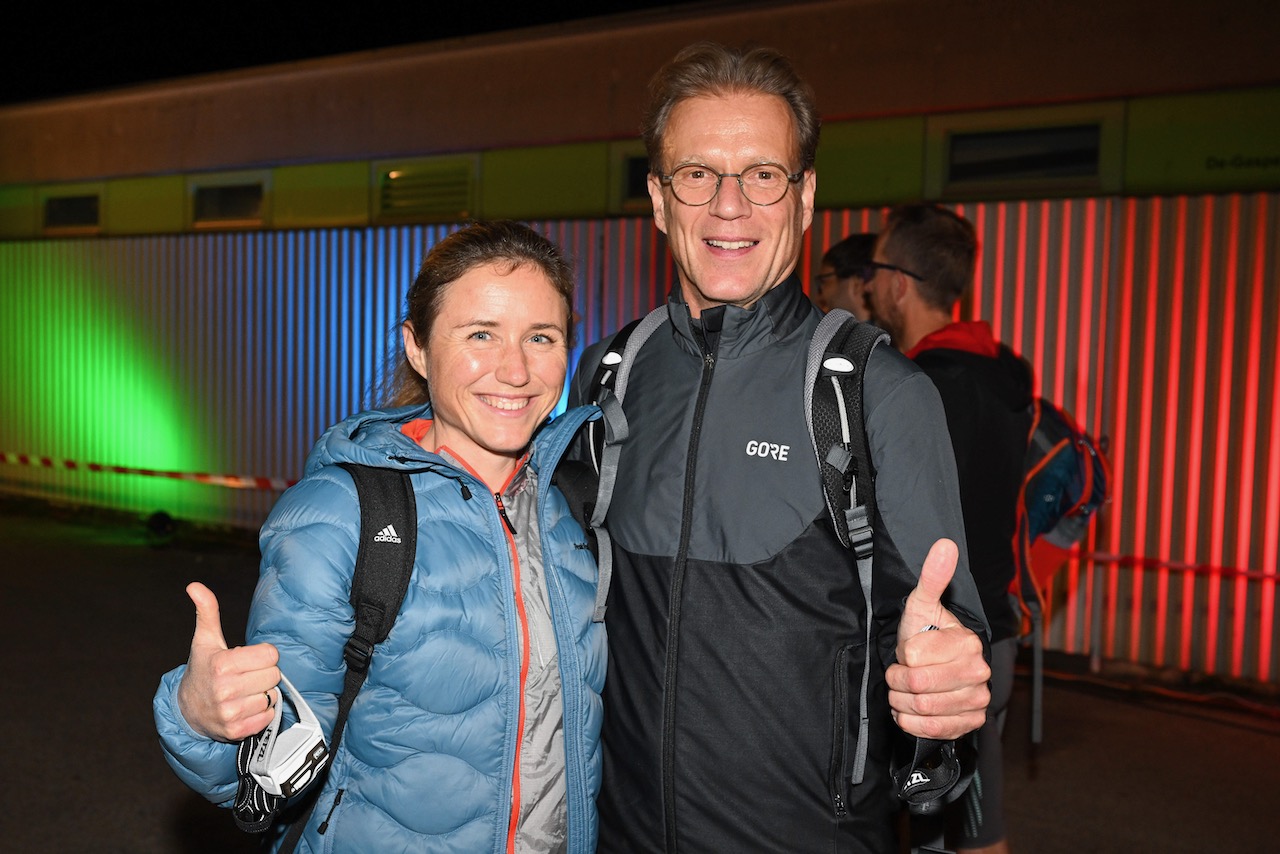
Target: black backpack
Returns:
[384, 564]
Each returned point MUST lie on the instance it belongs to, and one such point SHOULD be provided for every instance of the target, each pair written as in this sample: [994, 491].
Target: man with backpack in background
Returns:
[923, 265]
[754, 695]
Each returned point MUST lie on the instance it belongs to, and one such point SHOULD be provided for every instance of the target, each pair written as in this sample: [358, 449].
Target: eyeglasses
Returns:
[872, 266]
[822, 277]
[763, 184]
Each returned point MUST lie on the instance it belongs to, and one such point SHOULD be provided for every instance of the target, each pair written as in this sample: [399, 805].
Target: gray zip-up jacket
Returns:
[736, 619]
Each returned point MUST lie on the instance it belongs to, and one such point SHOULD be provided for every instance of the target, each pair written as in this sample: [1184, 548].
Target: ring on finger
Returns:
[270, 702]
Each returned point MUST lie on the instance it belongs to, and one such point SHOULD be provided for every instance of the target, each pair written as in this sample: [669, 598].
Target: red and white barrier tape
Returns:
[235, 481]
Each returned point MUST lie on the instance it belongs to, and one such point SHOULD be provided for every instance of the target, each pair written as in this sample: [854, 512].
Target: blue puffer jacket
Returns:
[427, 757]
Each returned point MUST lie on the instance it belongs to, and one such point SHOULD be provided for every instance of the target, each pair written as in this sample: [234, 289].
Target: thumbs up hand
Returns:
[226, 694]
[938, 688]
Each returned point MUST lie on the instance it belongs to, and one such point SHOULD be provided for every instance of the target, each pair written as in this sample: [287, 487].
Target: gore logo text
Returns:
[768, 449]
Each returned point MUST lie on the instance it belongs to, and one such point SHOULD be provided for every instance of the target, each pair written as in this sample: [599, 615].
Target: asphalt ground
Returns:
[93, 611]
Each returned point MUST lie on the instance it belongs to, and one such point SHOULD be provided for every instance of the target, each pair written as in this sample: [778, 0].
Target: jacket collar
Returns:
[775, 316]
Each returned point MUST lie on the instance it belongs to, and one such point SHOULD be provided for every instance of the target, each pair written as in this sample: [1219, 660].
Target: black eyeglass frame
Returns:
[668, 181]
[872, 266]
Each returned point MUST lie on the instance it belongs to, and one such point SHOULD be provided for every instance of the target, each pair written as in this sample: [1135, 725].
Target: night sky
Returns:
[55, 49]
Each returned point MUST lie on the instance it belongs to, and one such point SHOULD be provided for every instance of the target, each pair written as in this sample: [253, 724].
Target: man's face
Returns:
[882, 292]
[731, 251]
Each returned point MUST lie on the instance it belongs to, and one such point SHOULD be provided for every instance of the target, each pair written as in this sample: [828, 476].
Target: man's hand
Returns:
[226, 694]
[938, 688]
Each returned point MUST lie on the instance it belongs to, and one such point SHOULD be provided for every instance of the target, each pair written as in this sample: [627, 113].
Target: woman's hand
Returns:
[226, 694]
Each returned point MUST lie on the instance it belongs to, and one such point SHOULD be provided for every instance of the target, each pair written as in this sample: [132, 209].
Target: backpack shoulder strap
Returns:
[384, 565]
[384, 559]
[606, 437]
[838, 355]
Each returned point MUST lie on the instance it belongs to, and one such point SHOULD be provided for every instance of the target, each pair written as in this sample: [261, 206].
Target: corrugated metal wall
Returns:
[1154, 320]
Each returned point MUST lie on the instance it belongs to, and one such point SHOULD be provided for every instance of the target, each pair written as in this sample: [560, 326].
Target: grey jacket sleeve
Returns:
[917, 493]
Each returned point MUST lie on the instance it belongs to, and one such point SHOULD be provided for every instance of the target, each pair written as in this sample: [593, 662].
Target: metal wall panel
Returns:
[1155, 321]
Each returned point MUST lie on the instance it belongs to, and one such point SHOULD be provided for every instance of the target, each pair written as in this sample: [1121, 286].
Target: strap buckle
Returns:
[358, 653]
[860, 534]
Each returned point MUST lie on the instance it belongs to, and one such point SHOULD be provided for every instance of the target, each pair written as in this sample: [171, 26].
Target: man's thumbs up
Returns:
[938, 688]
[225, 694]
[923, 610]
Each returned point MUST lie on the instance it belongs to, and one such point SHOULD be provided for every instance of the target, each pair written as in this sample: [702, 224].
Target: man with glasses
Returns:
[736, 619]
[924, 263]
[843, 275]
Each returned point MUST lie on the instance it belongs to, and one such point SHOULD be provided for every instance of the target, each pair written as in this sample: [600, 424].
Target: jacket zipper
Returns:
[840, 732]
[324, 825]
[673, 621]
[523, 625]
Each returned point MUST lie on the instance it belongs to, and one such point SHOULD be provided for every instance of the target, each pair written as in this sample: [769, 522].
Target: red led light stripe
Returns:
[1041, 295]
[1199, 382]
[1222, 435]
[1020, 283]
[1249, 438]
[1172, 424]
[997, 287]
[1119, 459]
[1142, 459]
[1080, 405]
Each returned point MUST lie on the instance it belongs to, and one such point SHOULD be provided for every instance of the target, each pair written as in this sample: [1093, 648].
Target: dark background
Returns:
[53, 49]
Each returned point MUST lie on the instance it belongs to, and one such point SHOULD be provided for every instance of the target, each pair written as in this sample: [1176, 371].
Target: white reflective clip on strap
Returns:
[285, 762]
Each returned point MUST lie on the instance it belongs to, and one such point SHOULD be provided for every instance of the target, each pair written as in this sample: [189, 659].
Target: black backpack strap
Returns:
[384, 565]
[606, 377]
[838, 355]
[606, 436]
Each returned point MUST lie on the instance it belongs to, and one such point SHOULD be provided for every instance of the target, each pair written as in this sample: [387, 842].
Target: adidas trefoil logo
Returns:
[387, 535]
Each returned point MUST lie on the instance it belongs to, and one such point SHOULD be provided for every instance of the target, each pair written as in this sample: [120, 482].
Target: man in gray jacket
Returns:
[736, 619]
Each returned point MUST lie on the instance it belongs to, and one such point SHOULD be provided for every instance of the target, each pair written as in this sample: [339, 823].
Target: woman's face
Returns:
[494, 362]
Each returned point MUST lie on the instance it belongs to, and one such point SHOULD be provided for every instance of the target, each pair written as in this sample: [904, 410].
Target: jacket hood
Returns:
[969, 346]
[969, 336]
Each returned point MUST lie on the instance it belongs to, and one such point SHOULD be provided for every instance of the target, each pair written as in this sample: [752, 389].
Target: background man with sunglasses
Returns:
[842, 277]
[737, 623]
[923, 265]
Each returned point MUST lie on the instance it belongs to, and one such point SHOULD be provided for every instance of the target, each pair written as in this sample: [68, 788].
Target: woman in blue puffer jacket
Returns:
[477, 728]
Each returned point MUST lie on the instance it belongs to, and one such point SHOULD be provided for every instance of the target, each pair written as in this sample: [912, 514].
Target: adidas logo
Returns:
[387, 535]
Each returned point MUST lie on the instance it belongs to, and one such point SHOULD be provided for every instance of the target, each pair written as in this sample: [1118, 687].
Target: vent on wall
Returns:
[1037, 154]
[227, 205]
[433, 191]
[1066, 150]
[71, 214]
[628, 178]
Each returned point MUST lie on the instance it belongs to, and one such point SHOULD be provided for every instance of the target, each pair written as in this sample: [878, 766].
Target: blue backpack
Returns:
[1068, 478]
